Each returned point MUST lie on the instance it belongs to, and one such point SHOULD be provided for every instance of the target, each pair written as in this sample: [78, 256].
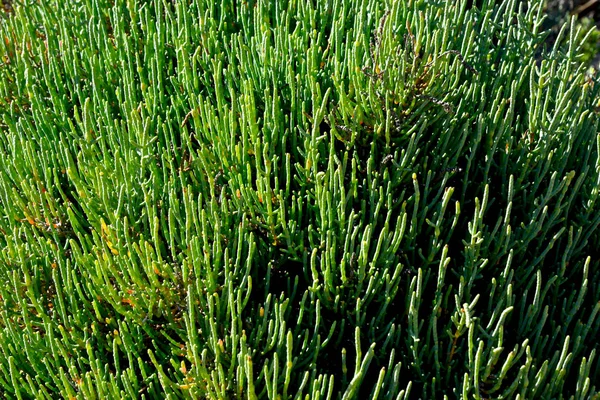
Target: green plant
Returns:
[347, 199]
[592, 45]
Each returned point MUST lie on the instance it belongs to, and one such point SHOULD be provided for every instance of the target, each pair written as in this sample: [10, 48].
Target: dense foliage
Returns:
[279, 199]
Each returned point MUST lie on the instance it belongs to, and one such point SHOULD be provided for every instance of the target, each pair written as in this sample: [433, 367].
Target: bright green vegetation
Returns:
[346, 199]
